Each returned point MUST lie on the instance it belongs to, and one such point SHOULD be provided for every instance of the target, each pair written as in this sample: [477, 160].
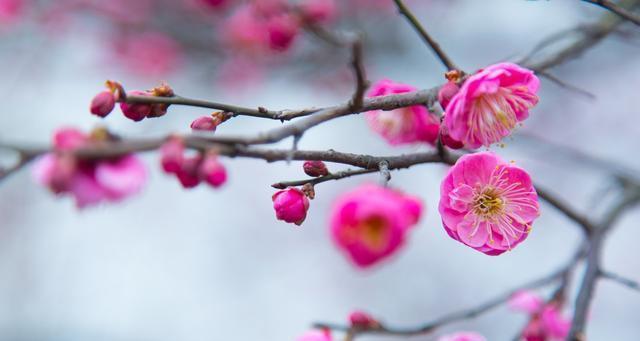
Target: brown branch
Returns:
[406, 12]
[465, 314]
[567, 210]
[361, 79]
[563, 84]
[333, 176]
[631, 284]
[613, 7]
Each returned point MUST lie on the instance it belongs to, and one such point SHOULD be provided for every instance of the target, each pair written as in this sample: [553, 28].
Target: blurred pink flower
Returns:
[526, 301]
[291, 205]
[463, 336]
[547, 325]
[282, 30]
[246, 30]
[89, 182]
[10, 11]
[490, 103]
[318, 11]
[149, 54]
[316, 335]
[189, 172]
[401, 126]
[370, 223]
[212, 171]
[487, 204]
[361, 319]
[172, 155]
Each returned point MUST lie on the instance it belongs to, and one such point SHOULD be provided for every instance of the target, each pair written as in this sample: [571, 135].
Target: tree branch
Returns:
[314, 181]
[446, 61]
[613, 7]
[620, 280]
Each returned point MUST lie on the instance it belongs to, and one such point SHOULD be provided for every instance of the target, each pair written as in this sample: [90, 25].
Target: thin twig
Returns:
[621, 280]
[358, 69]
[563, 84]
[613, 7]
[463, 314]
[446, 61]
[587, 226]
[333, 176]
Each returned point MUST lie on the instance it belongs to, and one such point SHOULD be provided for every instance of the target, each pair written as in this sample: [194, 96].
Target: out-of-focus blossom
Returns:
[10, 11]
[212, 171]
[490, 103]
[246, 30]
[316, 335]
[370, 223]
[318, 11]
[463, 336]
[402, 126]
[191, 170]
[361, 319]
[526, 301]
[291, 205]
[282, 30]
[88, 181]
[547, 325]
[172, 155]
[487, 204]
[149, 54]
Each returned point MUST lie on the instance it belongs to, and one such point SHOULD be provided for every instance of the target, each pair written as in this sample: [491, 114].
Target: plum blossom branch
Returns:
[613, 7]
[333, 176]
[361, 79]
[465, 314]
[631, 284]
[444, 58]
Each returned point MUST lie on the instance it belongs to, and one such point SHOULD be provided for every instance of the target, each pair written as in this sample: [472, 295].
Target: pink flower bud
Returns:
[189, 172]
[212, 170]
[282, 31]
[136, 112]
[291, 205]
[446, 93]
[361, 319]
[102, 104]
[172, 155]
[447, 140]
[315, 168]
[318, 11]
[316, 335]
[206, 123]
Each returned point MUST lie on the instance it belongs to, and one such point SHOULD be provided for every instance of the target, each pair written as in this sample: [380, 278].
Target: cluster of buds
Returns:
[104, 102]
[192, 170]
[211, 122]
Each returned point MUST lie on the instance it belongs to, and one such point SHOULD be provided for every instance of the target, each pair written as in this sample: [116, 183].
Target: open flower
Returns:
[487, 204]
[463, 336]
[547, 322]
[88, 181]
[402, 126]
[370, 222]
[490, 103]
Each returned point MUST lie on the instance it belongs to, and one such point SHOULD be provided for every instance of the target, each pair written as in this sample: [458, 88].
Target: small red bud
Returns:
[172, 155]
[361, 319]
[103, 103]
[446, 93]
[212, 171]
[136, 112]
[205, 123]
[315, 168]
[189, 172]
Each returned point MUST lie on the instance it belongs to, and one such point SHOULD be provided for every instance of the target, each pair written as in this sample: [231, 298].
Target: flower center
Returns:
[373, 232]
[488, 203]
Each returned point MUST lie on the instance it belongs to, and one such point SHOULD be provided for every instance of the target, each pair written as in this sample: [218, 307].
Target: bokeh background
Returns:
[204, 264]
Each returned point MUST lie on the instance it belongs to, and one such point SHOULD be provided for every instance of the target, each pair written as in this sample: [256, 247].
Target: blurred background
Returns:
[204, 264]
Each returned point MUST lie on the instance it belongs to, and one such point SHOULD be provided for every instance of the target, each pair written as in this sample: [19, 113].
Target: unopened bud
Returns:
[315, 168]
[103, 103]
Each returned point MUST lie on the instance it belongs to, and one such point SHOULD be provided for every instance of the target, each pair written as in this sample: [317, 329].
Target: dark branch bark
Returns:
[613, 7]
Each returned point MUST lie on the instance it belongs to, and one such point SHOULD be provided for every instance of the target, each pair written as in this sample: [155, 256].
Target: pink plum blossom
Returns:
[88, 181]
[490, 103]
[136, 112]
[205, 123]
[547, 325]
[370, 223]
[103, 103]
[487, 204]
[291, 205]
[316, 335]
[315, 168]
[212, 171]
[463, 336]
[150, 53]
[245, 29]
[526, 301]
[10, 11]
[402, 126]
[282, 30]
[318, 11]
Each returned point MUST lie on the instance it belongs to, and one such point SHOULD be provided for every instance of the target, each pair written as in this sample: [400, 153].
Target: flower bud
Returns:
[361, 319]
[447, 140]
[102, 104]
[282, 31]
[189, 172]
[315, 168]
[205, 123]
[291, 205]
[136, 112]
[212, 170]
[172, 155]
[446, 93]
